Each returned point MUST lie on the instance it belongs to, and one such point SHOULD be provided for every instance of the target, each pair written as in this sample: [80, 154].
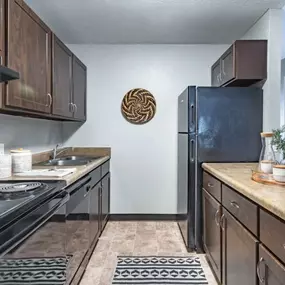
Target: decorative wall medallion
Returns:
[138, 106]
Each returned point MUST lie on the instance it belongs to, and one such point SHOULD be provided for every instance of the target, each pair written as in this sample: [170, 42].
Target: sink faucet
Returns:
[55, 153]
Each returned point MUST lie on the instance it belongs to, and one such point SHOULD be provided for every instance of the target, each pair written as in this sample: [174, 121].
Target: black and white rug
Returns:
[159, 270]
[33, 271]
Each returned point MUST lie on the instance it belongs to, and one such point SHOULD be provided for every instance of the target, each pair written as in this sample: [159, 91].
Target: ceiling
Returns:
[151, 21]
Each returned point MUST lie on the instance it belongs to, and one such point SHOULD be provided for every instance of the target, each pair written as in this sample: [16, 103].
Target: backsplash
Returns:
[34, 134]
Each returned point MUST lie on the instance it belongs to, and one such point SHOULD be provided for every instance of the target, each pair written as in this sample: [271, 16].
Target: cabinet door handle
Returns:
[75, 108]
[49, 100]
[71, 108]
[222, 222]
[210, 185]
[192, 155]
[223, 66]
[235, 204]
[216, 217]
[261, 279]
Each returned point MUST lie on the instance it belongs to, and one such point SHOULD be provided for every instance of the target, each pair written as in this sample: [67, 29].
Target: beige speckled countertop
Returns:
[82, 170]
[238, 176]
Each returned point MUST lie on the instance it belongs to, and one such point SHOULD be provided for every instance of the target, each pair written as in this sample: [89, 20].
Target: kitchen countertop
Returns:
[81, 170]
[238, 176]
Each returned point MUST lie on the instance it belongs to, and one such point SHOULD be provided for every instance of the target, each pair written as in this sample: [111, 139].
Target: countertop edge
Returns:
[244, 190]
[78, 174]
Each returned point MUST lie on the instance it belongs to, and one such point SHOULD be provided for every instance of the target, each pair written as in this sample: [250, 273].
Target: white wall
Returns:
[143, 161]
[269, 27]
[34, 134]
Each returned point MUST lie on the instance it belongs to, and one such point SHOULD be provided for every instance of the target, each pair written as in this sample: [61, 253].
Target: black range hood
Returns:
[7, 74]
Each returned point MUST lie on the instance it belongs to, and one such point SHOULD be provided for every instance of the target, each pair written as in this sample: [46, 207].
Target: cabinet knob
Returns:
[261, 279]
[235, 204]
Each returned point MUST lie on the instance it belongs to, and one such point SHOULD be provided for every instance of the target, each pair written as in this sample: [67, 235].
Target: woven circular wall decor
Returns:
[138, 106]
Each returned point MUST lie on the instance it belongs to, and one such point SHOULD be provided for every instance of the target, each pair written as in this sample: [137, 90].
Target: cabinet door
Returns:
[29, 53]
[270, 271]
[79, 89]
[212, 232]
[2, 27]
[105, 199]
[216, 74]
[239, 253]
[62, 79]
[227, 65]
[95, 212]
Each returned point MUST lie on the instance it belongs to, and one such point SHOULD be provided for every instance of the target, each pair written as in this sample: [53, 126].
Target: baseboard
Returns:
[143, 217]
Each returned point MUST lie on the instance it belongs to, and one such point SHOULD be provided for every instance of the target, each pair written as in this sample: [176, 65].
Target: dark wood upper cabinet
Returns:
[227, 65]
[79, 89]
[243, 64]
[270, 270]
[212, 232]
[29, 53]
[239, 252]
[2, 42]
[216, 74]
[2, 30]
[62, 79]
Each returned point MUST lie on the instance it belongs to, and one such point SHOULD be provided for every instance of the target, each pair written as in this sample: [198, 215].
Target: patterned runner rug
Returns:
[33, 271]
[159, 270]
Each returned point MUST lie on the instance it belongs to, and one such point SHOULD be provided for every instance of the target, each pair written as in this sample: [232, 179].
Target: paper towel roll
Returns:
[5, 166]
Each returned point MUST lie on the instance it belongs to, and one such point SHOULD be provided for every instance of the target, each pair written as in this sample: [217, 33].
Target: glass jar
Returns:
[267, 156]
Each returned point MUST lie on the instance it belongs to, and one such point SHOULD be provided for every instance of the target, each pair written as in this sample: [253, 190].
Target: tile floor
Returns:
[135, 238]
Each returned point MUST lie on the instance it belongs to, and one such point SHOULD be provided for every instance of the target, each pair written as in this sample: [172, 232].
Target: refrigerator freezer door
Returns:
[229, 122]
[186, 110]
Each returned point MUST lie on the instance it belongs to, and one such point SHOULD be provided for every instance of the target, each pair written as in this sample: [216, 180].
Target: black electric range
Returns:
[18, 197]
[25, 206]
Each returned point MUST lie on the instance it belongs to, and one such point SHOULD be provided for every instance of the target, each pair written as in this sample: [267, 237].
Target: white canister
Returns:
[5, 166]
[21, 160]
[279, 173]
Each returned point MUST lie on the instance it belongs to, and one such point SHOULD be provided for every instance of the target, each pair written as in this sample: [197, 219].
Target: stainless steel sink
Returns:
[69, 161]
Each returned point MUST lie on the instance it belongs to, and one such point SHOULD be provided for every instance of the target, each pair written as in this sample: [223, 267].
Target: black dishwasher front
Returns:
[78, 227]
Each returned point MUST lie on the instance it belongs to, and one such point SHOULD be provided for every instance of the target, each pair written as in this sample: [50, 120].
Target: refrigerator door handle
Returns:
[192, 158]
[192, 114]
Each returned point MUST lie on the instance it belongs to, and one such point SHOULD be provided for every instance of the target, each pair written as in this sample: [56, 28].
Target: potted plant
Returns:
[278, 142]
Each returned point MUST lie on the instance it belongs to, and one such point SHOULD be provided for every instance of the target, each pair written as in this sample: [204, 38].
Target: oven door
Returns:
[33, 249]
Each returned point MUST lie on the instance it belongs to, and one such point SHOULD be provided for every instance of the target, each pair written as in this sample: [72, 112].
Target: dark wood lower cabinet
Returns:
[244, 246]
[239, 252]
[105, 199]
[212, 232]
[95, 212]
[270, 270]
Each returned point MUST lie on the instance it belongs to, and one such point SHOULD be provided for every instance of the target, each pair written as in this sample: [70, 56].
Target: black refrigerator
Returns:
[214, 125]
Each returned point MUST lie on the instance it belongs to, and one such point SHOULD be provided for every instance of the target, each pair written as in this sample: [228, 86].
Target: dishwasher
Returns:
[78, 228]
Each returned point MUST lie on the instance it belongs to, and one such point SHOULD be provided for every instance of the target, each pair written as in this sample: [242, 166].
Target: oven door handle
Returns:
[34, 226]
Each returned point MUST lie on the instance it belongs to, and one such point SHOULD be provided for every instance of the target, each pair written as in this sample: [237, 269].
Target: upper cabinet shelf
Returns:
[52, 78]
[243, 64]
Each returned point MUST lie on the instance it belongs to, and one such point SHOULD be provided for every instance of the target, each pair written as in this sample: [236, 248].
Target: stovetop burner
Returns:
[20, 187]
